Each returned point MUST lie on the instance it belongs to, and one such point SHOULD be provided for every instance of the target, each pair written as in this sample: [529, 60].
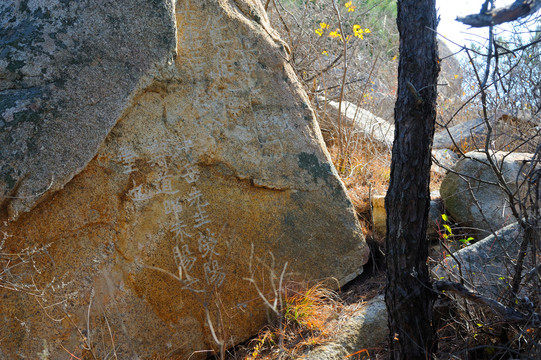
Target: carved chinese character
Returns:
[201, 217]
[178, 228]
[184, 260]
[185, 145]
[163, 184]
[172, 206]
[194, 197]
[127, 157]
[207, 243]
[140, 193]
[191, 173]
[189, 283]
[213, 273]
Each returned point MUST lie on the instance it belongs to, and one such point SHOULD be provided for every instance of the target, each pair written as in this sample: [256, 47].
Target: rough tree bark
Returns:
[408, 295]
[514, 11]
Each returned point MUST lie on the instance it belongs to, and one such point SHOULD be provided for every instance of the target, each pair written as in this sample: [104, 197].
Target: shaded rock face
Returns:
[214, 172]
[476, 203]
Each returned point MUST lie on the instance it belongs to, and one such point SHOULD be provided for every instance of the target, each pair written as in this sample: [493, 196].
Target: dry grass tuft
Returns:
[305, 322]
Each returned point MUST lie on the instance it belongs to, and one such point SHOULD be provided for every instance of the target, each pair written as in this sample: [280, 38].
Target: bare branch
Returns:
[507, 313]
[517, 10]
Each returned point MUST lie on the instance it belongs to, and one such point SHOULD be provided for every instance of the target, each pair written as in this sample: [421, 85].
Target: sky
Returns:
[448, 10]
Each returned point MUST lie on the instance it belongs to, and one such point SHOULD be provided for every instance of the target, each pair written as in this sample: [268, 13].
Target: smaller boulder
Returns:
[474, 199]
[486, 265]
[366, 328]
[466, 135]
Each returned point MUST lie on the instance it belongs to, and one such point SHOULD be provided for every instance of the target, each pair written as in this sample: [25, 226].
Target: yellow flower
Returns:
[350, 7]
[348, 4]
[325, 53]
[456, 76]
[319, 31]
[323, 25]
[335, 34]
[358, 31]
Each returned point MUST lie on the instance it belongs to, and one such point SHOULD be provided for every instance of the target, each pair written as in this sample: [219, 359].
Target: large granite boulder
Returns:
[465, 136]
[154, 157]
[471, 193]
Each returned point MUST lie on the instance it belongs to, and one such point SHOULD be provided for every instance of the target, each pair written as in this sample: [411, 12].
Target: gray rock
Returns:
[477, 203]
[434, 215]
[365, 329]
[469, 134]
[486, 265]
[366, 123]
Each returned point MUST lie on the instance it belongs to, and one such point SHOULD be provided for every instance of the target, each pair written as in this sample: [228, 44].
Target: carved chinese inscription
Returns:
[172, 179]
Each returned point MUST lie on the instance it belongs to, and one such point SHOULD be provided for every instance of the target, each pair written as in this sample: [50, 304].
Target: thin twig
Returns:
[509, 314]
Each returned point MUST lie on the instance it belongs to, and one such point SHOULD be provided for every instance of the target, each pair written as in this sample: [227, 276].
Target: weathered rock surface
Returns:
[179, 167]
[486, 266]
[479, 202]
[365, 329]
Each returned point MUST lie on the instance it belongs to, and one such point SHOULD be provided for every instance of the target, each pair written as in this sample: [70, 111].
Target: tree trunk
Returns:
[408, 294]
